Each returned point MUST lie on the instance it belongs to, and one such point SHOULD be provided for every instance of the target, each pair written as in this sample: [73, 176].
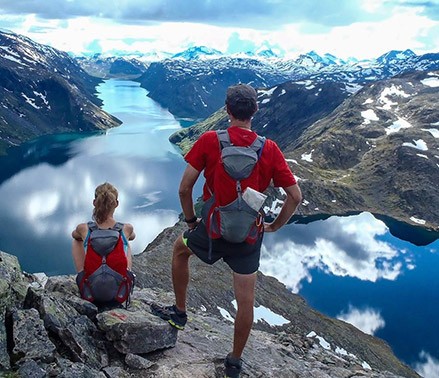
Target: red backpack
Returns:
[238, 170]
[105, 277]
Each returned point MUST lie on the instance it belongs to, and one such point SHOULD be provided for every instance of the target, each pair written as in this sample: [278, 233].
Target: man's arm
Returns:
[187, 183]
[294, 197]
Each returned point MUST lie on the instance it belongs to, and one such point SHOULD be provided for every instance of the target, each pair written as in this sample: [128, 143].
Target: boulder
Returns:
[136, 332]
[75, 331]
[29, 337]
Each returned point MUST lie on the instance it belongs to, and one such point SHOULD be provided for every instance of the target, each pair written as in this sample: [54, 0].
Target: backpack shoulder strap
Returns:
[118, 227]
[92, 226]
[258, 145]
[223, 138]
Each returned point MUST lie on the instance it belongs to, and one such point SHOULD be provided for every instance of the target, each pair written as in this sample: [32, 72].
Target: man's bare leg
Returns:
[180, 272]
[244, 286]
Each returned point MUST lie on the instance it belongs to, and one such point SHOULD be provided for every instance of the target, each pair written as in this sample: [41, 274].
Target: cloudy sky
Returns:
[358, 28]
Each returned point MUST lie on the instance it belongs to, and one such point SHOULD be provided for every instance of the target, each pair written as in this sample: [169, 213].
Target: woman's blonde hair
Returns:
[105, 201]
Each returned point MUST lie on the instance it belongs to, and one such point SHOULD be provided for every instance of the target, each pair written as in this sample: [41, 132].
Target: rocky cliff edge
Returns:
[49, 331]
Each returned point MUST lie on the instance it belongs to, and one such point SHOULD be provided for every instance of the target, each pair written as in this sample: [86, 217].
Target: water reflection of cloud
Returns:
[368, 319]
[147, 226]
[150, 199]
[343, 246]
[40, 209]
[428, 367]
[46, 202]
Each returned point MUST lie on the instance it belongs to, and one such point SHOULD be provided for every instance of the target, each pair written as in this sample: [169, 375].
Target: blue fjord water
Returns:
[347, 267]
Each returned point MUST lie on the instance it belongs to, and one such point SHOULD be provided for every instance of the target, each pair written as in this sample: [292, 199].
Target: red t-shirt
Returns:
[205, 154]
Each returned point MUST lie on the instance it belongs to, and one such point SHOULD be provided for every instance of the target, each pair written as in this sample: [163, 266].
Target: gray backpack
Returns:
[105, 277]
[236, 221]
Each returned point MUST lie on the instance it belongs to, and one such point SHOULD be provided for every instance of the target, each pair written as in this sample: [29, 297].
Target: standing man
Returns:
[242, 258]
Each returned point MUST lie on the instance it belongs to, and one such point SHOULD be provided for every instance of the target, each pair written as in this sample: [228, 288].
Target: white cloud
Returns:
[338, 27]
[428, 367]
[368, 320]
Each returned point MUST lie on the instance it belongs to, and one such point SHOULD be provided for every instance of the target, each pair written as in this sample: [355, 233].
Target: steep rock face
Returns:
[285, 111]
[44, 91]
[196, 89]
[381, 144]
[377, 151]
[109, 67]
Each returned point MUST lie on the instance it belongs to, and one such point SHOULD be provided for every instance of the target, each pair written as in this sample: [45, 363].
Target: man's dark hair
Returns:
[241, 101]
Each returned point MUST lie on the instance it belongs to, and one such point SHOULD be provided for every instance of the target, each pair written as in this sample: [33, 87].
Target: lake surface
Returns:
[346, 267]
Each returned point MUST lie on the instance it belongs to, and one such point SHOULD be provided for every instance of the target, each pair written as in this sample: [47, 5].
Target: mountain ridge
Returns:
[195, 88]
[44, 91]
[362, 153]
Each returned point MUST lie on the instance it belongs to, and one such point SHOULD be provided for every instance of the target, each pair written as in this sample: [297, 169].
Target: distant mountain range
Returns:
[43, 91]
[193, 86]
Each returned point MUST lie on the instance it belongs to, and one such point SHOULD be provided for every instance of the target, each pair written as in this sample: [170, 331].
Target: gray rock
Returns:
[62, 284]
[83, 307]
[116, 372]
[137, 362]
[29, 337]
[12, 291]
[4, 358]
[13, 286]
[30, 369]
[67, 285]
[69, 369]
[136, 332]
[74, 330]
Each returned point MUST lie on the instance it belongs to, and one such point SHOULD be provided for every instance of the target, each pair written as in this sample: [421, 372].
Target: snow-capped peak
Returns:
[198, 52]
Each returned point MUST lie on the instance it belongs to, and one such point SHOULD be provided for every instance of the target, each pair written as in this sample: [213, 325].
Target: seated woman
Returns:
[102, 254]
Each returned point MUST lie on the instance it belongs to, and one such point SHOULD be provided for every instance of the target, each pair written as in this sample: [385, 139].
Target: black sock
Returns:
[179, 312]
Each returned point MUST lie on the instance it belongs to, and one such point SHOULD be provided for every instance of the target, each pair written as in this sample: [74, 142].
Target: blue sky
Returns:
[345, 28]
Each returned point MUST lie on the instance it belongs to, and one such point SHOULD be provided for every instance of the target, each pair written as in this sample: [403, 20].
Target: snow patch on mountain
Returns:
[387, 93]
[431, 82]
[267, 92]
[417, 220]
[434, 132]
[397, 126]
[418, 144]
[369, 116]
[307, 156]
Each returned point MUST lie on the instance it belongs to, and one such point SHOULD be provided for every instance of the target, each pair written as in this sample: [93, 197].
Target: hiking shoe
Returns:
[233, 367]
[175, 317]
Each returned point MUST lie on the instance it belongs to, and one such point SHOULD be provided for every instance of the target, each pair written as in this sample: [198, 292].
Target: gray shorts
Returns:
[242, 258]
